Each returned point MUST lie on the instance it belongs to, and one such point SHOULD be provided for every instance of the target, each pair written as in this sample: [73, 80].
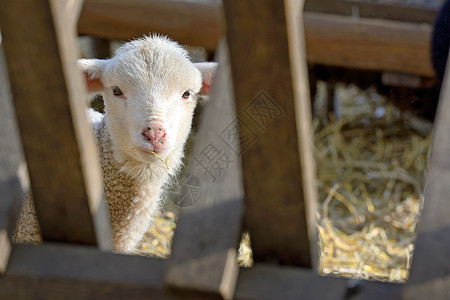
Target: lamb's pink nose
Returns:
[155, 133]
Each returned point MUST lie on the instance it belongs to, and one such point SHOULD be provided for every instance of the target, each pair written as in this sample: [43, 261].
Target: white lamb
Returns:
[150, 90]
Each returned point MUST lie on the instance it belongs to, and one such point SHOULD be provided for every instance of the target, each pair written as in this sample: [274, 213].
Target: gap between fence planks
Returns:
[272, 114]
[204, 251]
[50, 107]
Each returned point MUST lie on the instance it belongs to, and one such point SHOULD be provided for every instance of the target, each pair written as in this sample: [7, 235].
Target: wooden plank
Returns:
[398, 43]
[49, 103]
[13, 178]
[58, 271]
[264, 281]
[302, 104]
[275, 172]
[430, 260]
[205, 244]
[425, 13]
[368, 43]
[373, 290]
[436, 289]
[190, 22]
[72, 10]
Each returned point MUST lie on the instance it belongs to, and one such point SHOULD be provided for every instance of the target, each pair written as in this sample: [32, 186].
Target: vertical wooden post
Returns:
[41, 53]
[204, 251]
[13, 178]
[430, 269]
[268, 68]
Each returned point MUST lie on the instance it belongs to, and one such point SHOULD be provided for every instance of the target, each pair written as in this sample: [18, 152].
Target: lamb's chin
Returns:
[142, 166]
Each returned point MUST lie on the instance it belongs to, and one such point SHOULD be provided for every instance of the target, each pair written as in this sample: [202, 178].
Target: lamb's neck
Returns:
[133, 194]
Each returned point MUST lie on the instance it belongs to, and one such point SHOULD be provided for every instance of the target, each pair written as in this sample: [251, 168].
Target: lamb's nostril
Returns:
[155, 134]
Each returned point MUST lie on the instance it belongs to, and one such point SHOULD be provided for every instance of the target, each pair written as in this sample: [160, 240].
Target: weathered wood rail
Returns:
[258, 89]
[344, 34]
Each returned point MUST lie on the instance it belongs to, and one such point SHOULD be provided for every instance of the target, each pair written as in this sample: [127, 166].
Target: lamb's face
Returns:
[150, 98]
[150, 89]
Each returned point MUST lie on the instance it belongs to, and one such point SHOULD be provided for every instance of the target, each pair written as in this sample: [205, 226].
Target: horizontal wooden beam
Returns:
[52, 260]
[437, 288]
[49, 103]
[189, 22]
[81, 272]
[264, 281]
[333, 35]
[375, 9]
[370, 44]
[58, 271]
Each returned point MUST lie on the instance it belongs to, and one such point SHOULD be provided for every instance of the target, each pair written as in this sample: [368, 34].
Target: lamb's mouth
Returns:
[151, 152]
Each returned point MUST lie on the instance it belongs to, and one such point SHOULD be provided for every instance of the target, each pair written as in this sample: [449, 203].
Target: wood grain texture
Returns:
[414, 13]
[431, 265]
[66, 272]
[193, 22]
[72, 10]
[266, 107]
[394, 38]
[50, 108]
[374, 290]
[370, 44]
[264, 282]
[57, 271]
[302, 105]
[206, 240]
[436, 289]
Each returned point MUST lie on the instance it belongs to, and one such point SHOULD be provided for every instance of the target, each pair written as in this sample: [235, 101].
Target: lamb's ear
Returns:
[208, 70]
[92, 70]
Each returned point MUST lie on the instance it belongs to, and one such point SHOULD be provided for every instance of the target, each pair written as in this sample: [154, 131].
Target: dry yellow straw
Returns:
[154, 153]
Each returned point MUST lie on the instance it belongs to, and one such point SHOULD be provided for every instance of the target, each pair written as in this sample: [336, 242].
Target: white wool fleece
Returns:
[149, 83]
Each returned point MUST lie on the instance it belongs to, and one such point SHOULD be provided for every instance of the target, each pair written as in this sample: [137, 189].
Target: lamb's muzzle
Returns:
[156, 135]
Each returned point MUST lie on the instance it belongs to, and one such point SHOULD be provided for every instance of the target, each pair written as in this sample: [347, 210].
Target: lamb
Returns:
[150, 89]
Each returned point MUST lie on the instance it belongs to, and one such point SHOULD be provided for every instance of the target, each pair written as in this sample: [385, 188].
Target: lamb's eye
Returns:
[116, 91]
[186, 95]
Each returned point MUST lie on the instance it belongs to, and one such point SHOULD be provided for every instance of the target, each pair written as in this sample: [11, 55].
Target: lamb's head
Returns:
[150, 89]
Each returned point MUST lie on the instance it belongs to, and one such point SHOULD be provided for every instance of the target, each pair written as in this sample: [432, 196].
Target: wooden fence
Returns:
[260, 89]
[349, 29]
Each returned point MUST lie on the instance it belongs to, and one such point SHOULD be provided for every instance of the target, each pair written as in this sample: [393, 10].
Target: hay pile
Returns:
[370, 163]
